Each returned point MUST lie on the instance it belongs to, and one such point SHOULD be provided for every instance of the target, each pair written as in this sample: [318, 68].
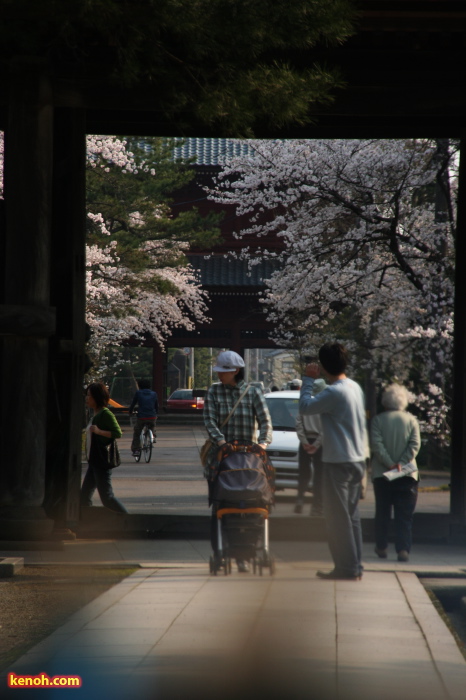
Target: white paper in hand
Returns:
[406, 470]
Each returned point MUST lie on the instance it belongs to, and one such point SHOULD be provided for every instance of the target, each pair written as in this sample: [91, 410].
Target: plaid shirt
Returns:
[251, 411]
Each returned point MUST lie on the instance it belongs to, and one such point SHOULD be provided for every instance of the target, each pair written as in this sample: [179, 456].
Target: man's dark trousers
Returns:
[342, 490]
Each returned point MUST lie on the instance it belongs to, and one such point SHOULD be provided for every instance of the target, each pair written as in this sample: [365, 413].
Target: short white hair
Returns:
[395, 397]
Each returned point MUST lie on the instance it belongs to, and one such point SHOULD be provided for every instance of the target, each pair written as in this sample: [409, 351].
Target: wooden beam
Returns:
[34, 321]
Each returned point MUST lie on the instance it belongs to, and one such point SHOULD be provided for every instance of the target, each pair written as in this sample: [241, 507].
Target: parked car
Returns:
[283, 450]
[185, 401]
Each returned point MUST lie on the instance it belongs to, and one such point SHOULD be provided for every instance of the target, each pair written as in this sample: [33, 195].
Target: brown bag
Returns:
[204, 451]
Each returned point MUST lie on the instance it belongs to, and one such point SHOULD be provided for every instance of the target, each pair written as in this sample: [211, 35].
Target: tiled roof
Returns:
[221, 271]
[210, 151]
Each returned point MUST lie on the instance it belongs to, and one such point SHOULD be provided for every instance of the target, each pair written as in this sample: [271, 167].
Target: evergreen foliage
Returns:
[230, 64]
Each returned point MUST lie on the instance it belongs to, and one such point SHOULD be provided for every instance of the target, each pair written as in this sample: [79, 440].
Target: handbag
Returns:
[114, 458]
[104, 456]
[209, 443]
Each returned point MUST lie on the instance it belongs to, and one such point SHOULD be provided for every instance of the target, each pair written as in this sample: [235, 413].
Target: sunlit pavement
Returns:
[173, 631]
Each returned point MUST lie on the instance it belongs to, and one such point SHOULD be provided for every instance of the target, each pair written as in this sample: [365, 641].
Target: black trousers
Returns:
[100, 479]
[401, 495]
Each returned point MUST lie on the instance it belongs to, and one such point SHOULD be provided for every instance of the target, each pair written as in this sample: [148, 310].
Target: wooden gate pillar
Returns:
[65, 404]
[26, 317]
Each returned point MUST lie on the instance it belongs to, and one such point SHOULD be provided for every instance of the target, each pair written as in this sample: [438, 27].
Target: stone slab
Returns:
[10, 565]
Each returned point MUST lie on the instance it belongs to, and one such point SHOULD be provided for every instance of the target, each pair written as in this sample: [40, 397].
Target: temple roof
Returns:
[210, 151]
[226, 271]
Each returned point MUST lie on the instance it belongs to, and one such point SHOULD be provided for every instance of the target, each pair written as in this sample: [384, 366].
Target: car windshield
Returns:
[283, 412]
[182, 395]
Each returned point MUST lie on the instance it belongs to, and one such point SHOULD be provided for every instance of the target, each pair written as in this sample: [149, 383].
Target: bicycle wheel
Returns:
[147, 445]
[137, 455]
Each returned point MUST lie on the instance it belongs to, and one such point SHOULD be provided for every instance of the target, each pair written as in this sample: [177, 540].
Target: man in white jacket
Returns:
[342, 412]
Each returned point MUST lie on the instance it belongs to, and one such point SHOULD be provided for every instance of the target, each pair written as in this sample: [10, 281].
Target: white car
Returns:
[283, 450]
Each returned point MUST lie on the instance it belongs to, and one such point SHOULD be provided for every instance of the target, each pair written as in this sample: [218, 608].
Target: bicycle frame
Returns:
[146, 440]
[145, 430]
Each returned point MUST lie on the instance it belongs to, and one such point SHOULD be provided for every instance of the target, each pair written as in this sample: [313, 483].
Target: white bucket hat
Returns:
[228, 361]
[295, 384]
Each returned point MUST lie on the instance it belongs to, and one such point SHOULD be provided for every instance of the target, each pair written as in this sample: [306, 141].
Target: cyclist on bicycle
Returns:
[148, 406]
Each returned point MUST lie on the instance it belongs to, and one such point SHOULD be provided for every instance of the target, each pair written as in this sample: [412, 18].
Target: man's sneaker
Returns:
[403, 555]
[243, 566]
[336, 576]
[381, 553]
[299, 506]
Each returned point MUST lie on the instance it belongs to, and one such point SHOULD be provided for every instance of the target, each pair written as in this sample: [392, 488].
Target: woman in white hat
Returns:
[250, 415]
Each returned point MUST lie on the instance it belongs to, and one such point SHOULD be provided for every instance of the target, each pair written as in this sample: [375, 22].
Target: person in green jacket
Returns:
[103, 429]
[395, 441]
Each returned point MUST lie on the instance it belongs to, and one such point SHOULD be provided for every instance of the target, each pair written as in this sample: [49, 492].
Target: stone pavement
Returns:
[173, 632]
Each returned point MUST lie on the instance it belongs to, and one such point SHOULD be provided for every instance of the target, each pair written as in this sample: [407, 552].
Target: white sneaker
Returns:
[299, 506]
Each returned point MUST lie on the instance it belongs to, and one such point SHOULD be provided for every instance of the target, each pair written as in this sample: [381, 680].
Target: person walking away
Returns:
[395, 441]
[148, 407]
[309, 431]
[250, 415]
[341, 408]
[103, 429]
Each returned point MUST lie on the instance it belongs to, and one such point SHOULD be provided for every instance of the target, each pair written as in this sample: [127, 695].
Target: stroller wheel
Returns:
[216, 563]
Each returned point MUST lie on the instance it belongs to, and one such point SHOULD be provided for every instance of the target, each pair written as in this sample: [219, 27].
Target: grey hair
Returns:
[395, 397]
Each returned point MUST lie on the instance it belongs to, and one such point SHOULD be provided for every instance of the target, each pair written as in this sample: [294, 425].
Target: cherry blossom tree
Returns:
[367, 234]
[138, 280]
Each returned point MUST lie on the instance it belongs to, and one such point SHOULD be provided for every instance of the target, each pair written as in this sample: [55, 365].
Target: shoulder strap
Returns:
[235, 406]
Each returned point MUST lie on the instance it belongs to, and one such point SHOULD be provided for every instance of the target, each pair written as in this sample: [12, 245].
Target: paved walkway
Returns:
[173, 632]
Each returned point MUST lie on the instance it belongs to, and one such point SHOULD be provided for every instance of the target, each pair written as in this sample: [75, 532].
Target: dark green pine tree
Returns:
[225, 66]
[136, 208]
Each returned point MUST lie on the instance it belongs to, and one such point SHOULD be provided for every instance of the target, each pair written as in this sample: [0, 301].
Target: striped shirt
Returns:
[251, 413]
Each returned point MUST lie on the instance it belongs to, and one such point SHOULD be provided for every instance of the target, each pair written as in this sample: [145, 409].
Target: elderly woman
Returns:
[395, 441]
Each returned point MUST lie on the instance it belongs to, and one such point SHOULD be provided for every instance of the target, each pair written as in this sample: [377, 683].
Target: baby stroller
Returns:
[242, 494]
